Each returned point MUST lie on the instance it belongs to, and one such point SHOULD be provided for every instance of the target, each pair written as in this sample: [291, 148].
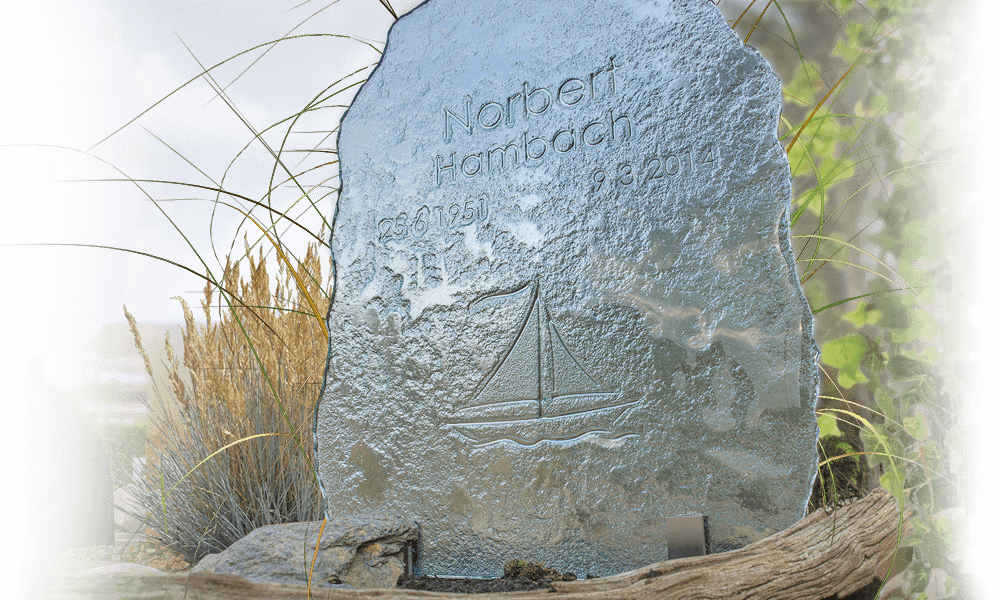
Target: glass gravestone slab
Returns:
[566, 307]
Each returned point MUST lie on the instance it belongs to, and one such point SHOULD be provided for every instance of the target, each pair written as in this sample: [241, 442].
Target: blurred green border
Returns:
[984, 528]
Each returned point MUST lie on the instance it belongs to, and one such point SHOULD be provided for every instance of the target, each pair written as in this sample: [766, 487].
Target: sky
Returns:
[97, 64]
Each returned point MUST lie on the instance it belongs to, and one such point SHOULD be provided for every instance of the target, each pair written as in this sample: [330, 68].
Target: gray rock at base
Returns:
[566, 306]
[362, 551]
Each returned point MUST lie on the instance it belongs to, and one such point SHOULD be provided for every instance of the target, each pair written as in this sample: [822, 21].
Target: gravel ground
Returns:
[63, 581]
[151, 555]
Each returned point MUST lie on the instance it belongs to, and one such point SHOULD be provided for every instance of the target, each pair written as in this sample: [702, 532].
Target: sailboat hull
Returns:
[601, 422]
[499, 412]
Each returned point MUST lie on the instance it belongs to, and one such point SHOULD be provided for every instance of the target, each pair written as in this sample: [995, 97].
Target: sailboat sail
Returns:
[512, 390]
[573, 389]
[539, 390]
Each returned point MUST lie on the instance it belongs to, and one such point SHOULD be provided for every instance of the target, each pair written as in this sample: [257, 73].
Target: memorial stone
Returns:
[566, 307]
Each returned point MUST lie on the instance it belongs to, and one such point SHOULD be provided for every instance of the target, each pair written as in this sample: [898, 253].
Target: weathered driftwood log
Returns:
[820, 556]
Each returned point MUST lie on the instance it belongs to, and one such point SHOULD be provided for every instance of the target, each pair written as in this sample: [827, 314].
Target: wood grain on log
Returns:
[820, 556]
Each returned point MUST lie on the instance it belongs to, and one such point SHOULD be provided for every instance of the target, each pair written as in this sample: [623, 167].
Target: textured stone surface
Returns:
[566, 305]
[363, 551]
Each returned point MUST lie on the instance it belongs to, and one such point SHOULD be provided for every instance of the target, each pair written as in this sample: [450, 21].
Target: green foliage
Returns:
[852, 355]
[828, 426]
[865, 167]
[122, 443]
[842, 468]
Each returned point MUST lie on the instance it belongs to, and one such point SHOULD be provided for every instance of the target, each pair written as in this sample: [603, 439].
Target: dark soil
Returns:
[518, 575]
[841, 479]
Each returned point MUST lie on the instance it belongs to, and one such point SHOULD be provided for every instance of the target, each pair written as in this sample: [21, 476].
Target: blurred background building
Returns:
[115, 386]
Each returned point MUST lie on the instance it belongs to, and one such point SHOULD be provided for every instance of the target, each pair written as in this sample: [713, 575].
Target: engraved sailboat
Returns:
[539, 391]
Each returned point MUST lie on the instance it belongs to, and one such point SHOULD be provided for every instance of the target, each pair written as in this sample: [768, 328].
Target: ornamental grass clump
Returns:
[230, 449]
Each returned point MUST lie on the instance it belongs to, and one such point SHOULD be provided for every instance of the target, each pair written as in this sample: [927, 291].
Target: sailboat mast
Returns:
[538, 315]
